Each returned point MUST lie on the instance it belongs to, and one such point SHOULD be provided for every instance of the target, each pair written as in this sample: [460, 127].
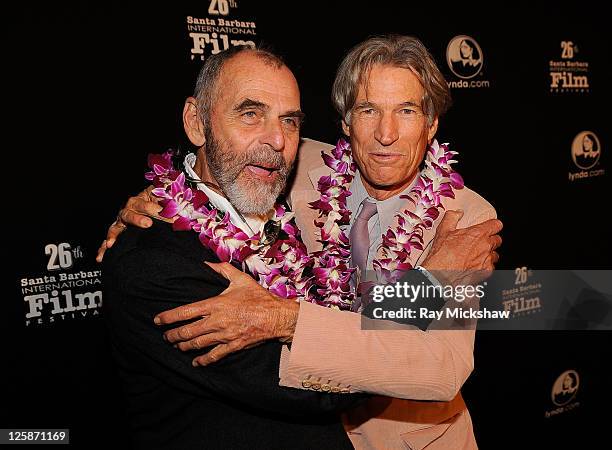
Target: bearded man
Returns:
[247, 130]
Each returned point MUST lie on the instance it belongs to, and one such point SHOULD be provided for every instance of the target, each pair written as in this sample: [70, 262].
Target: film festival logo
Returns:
[219, 30]
[465, 59]
[568, 74]
[64, 292]
[563, 393]
[524, 297]
[586, 152]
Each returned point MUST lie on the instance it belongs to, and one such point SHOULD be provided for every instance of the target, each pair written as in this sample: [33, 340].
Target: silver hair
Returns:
[206, 85]
[397, 51]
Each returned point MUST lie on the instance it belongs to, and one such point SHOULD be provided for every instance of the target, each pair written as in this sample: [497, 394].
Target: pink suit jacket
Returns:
[417, 375]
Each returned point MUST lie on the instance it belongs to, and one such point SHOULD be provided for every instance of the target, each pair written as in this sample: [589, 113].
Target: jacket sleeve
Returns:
[399, 361]
[145, 281]
[390, 359]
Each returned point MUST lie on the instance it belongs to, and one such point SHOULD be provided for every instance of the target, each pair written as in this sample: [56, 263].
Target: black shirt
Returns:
[232, 404]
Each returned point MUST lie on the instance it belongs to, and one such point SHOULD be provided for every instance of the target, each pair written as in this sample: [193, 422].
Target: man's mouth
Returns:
[385, 156]
[262, 170]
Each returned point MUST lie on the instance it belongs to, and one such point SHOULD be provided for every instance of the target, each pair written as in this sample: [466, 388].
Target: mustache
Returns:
[263, 156]
[233, 164]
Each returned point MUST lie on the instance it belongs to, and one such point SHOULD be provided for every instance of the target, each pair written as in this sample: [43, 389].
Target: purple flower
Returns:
[162, 171]
[174, 198]
[183, 224]
[323, 204]
[290, 253]
[200, 199]
[160, 164]
[456, 180]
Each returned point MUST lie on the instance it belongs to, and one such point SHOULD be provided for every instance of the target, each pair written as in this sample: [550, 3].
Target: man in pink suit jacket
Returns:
[390, 95]
[403, 366]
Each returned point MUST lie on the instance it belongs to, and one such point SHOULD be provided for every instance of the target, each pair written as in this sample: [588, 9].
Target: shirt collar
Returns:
[386, 209]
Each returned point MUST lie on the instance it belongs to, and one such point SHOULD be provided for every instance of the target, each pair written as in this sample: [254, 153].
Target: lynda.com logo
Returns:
[464, 57]
[586, 150]
[565, 388]
[563, 393]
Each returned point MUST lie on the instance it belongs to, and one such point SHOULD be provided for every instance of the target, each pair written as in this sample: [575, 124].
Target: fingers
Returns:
[101, 250]
[146, 194]
[185, 312]
[134, 217]
[138, 208]
[219, 352]
[491, 226]
[494, 257]
[449, 221]
[495, 241]
[204, 341]
[144, 206]
[490, 261]
[226, 270]
[114, 231]
[484, 229]
[116, 228]
[189, 331]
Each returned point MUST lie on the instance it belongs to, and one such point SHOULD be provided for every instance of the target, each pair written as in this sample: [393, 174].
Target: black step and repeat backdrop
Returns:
[88, 91]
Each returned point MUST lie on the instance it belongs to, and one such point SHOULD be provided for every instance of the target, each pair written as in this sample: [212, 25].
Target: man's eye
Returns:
[291, 122]
[407, 111]
[250, 117]
[368, 111]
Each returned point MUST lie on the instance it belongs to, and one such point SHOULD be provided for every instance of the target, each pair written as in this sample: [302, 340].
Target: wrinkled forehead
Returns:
[390, 82]
[250, 76]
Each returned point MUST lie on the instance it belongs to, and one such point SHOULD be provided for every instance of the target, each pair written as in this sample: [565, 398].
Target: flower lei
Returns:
[278, 267]
[285, 267]
[435, 181]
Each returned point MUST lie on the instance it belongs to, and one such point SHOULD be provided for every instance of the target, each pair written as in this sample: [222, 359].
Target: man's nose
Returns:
[387, 131]
[274, 135]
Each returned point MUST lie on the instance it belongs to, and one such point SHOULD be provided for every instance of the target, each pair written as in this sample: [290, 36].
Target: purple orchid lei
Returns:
[435, 181]
[285, 267]
[278, 267]
[332, 263]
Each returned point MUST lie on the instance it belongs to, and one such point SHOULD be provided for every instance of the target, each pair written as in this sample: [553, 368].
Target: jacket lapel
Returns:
[416, 255]
[300, 197]
[317, 173]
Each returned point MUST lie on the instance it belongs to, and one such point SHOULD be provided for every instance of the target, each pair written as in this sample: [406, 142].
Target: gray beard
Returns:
[247, 194]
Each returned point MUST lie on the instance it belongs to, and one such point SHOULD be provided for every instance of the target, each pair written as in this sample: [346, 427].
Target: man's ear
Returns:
[194, 128]
[346, 128]
[433, 128]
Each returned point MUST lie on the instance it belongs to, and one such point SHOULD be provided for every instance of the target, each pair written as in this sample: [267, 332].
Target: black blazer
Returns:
[232, 404]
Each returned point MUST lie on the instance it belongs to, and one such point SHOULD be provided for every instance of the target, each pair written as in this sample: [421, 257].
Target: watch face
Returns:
[270, 232]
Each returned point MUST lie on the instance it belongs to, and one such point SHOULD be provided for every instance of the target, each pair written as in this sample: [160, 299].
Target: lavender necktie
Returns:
[360, 237]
